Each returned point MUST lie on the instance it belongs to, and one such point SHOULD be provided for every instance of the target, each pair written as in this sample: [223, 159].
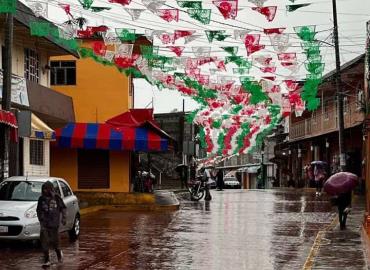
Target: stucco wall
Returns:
[64, 165]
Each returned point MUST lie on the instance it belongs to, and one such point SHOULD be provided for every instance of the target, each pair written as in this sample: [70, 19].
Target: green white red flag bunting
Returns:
[240, 89]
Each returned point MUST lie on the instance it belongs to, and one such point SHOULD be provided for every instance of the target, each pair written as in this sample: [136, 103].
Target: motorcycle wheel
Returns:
[197, 195]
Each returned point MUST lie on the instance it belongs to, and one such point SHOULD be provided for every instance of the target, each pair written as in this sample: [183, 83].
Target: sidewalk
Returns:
[335, 249]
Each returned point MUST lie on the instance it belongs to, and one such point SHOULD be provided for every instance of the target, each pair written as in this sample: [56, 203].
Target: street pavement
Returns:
[238, 229]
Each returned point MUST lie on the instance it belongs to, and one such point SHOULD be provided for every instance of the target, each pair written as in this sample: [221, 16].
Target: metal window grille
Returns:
[31, 65]
[63, 72]
[37, 152]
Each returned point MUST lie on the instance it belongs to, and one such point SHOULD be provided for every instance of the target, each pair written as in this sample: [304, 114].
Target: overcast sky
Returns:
[352, 16]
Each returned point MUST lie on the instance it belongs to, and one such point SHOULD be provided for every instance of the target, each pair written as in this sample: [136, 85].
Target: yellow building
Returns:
[93, 156]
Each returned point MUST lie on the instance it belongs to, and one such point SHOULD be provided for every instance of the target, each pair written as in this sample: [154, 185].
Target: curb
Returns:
[129, 208]
[316, 245]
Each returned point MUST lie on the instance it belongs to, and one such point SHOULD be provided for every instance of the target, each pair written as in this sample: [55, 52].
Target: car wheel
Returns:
[74, 233]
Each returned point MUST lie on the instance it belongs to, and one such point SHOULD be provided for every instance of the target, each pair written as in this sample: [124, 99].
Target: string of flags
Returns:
[242, 94]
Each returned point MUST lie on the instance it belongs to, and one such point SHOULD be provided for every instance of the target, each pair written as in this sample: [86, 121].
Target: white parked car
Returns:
[231, 182]
[18, 202]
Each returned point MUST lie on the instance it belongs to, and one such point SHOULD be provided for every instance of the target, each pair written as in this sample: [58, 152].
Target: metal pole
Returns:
[338, 84]
[6, 94]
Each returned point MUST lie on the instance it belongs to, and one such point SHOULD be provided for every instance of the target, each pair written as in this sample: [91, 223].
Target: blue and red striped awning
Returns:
[106, 136]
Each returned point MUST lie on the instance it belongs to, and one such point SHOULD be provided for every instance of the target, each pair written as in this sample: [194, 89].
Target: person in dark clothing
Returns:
[51, 211]
[220, 180]
[343, 203]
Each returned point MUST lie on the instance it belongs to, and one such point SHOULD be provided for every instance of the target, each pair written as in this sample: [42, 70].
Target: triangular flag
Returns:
[183, 33]
[258, 3]
[86, 4]
[252, 39]
[271, 69]
[126, 34]
[287, 57]
[201, 15]
[280, 42]
[99, 48]
[134, 13]
[201, 51]
[66, 8]
[190, 4]
[254, 48]
[228, 8]
[306, 33]
[111, 38]
[122, 2]
[109, 55]
[166, 38]
[191, 38]
[270, 31]
[153, 5]
[177, 49]
[264, 60]
[124, 50]
[291, 8]
[269, 12]
[168, 15]
[99, 9]
[218, 35]
[240, 34]
[231, 50]
[40, 9]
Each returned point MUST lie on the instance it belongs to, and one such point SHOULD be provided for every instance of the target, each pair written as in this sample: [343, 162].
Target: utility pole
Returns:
[6, 94]
[338, 84]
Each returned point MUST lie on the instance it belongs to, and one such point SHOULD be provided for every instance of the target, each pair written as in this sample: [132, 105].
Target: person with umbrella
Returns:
[340, 185]
[319, 175]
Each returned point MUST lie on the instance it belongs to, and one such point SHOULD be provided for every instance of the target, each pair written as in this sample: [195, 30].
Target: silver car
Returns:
[231, 182]
[18, 202]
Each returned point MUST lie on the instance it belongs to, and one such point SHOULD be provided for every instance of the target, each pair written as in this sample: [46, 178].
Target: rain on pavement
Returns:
[236, 230]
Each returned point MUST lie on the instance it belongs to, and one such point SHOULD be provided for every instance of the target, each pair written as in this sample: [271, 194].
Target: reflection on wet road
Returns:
[236, 230]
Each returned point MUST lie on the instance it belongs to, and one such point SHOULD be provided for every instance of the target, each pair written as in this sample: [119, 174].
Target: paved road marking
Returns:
[316, 245]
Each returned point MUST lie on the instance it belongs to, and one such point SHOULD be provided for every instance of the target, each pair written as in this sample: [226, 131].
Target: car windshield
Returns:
[20, 191]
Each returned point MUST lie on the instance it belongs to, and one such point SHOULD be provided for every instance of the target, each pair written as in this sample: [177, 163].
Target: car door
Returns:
[70, 202]
[58, 191]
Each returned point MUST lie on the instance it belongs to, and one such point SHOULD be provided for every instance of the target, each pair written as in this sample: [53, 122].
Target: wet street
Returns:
[236, 230]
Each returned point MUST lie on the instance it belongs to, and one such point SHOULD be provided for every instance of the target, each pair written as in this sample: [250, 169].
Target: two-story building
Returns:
[36, 105]
[96, 152]
[314, 135]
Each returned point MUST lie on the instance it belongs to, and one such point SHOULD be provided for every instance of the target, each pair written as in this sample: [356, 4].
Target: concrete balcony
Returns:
[323, 122]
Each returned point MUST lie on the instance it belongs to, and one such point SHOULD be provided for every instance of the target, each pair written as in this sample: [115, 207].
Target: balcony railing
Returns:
[324, 122]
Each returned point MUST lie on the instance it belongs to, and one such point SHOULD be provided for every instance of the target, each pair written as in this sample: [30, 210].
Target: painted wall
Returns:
[64, 165]
[18, 57]
[36, 170]
[100, 93]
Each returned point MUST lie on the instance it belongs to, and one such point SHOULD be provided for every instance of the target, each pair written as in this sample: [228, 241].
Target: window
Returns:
[56, 187]
[63, 72]
[65, 189]
[37, 152]
[93, 169]
[31, 65]
[345, 105]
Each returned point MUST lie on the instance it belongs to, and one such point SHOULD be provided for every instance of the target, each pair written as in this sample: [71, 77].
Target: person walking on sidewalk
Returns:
[51, 211]
[320, 177]
[220, 180]
[343, 202]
